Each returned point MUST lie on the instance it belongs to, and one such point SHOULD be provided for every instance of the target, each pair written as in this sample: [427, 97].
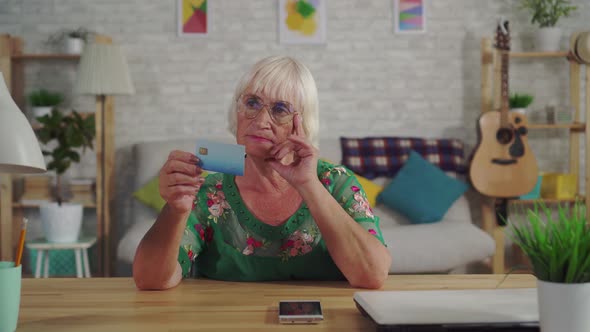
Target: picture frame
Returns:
[193, 18]
[409, 16]
[302, 21]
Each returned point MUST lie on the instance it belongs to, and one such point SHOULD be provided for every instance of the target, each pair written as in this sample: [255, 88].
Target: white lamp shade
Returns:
[19, 148]
[103, 71]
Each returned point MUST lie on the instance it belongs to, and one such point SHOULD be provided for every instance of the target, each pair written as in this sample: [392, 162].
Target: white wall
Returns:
[371, 81]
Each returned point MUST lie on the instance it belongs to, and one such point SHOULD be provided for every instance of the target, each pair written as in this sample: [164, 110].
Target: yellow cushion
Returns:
[371, 189]
[149, 194]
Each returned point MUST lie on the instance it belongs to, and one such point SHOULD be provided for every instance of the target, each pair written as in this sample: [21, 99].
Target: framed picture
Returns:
[302, 21]
[409, 16]
[193, 18]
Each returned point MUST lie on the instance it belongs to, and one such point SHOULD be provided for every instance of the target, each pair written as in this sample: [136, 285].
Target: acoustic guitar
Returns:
[503, 164]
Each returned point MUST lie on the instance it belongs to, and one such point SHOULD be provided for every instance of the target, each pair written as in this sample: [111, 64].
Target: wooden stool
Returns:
[80, 249]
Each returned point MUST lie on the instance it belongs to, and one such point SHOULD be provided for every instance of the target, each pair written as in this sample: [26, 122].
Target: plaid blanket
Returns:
[372, 157]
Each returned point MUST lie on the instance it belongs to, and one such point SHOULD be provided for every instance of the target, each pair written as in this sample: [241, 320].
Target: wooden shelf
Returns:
[17, 57]
[561, 54]
[14, 59]
[577, 126]
[35, 205]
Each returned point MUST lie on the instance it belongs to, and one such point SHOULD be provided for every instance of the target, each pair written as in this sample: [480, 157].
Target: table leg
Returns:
[46, 267]
[39, 263]
[86, 264]
[78, 263]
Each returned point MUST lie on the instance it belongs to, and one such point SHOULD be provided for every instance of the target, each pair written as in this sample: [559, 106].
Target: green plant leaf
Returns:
[69, 132]
[546, 13]
[557, 246]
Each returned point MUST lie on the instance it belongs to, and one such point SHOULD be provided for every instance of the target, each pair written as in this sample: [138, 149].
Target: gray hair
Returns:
[283, 78]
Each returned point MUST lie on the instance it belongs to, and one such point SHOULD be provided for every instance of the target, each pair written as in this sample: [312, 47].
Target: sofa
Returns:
[441, 247]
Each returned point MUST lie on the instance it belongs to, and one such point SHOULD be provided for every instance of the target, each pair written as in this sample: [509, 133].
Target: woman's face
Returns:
[263, 122]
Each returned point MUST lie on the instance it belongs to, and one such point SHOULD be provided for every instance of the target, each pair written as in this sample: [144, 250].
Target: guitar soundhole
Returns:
[504, 135]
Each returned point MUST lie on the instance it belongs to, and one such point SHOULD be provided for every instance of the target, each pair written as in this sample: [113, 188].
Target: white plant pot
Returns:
[39, 111]
[547, 39]
[519, 110]
[74, 45]
[61, 223]
[564, 307]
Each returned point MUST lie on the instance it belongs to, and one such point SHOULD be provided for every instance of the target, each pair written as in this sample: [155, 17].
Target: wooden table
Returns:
[114, 304]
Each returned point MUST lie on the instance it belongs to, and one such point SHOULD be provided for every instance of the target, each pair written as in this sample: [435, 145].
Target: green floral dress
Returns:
[224, 241]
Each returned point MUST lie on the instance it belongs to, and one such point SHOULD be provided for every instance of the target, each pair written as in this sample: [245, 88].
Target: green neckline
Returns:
[247, 219]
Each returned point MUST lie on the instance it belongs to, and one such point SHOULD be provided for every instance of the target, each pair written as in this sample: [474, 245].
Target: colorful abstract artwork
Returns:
[409, 16]
[193, 17]
[302, 21]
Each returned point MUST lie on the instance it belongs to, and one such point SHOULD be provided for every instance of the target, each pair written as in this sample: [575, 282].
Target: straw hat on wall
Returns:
[580, 46]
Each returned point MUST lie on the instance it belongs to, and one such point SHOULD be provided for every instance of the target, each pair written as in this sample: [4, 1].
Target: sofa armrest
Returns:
[130, 241]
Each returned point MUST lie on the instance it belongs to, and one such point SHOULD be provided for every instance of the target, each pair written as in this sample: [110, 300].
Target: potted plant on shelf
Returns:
[72, 41]
[67, 133]
[520, 102]
[557, 243]
[546, 14]
[42, 101]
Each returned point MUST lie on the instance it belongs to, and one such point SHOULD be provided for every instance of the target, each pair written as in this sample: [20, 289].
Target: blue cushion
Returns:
[421, 191]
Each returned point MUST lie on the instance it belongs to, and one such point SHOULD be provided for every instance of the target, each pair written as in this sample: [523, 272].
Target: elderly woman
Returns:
[291, 216]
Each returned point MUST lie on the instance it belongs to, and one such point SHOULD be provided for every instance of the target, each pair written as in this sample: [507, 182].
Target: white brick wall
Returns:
[371, 81]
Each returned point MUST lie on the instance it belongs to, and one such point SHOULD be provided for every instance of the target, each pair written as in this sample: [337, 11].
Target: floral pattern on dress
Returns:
[361, 204]
[189, 251]
[298, 243]
[216, 202]
[205, 232]
[252, 243]
[325, 178]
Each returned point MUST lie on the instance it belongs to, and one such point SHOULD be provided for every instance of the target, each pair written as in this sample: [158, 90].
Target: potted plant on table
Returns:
[546, 13]
[67, 133]
[520, 102]
[42, 101]
[557, 243]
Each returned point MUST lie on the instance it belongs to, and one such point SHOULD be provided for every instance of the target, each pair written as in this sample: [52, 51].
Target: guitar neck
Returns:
[504, 107]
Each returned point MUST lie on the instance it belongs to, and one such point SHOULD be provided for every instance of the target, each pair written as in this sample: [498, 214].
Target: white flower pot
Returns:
[547, 39]
[520, 110]
[61, 223]
[564, 307]
[39, 111]
[74, 45]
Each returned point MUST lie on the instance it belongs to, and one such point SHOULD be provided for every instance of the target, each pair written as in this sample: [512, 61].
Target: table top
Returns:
[114, 304]
[82, 243]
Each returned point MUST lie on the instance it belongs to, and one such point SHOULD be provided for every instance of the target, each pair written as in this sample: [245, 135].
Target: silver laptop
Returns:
[451, 310]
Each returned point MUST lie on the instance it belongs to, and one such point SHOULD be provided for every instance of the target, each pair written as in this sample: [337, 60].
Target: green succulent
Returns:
[43, 97]
[520, 100]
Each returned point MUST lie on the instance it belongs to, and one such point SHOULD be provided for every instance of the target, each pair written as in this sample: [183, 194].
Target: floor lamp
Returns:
[103, 72]
[19, 153]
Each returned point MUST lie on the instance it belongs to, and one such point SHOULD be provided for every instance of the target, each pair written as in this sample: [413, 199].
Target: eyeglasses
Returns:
[281, 112]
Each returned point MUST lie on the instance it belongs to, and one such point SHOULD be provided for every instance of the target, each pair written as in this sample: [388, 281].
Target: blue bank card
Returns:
[221, 157]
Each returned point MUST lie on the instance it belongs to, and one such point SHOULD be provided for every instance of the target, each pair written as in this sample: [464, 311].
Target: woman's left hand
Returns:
[303, 169]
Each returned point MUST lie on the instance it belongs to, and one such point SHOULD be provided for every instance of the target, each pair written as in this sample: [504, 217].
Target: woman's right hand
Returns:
[180, 180]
